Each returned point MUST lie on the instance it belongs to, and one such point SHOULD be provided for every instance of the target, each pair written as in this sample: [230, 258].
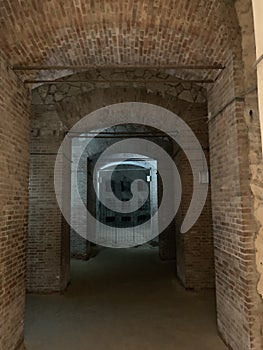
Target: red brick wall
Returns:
[117, 32]
[136, 35]
[14, 158]
[48, 235]
[194, 249]
[238, 304]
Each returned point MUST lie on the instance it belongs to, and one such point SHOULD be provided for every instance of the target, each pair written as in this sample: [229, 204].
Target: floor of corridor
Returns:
[123, 300]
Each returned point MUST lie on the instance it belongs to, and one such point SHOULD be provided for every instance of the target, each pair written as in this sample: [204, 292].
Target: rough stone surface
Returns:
[85, 82]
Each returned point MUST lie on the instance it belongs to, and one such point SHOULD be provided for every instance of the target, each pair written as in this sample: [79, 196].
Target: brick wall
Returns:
[79, 246]
[251, 116]
[47, 235]
[113, 32]
[194, 249]
[136, 35]
[14, 158]
[238, 304]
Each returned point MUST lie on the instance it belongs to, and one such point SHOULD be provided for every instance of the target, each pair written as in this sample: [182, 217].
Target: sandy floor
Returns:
[122, 300]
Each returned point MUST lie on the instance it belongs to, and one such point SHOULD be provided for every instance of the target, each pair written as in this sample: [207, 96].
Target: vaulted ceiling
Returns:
[112, 32]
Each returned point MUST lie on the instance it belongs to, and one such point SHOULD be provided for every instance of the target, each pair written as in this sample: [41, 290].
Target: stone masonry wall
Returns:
[14, 157]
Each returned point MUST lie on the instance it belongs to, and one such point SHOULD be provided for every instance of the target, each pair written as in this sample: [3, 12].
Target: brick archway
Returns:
[71, 109]
[217, 33]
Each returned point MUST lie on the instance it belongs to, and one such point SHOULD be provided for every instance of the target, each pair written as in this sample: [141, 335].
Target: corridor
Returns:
[123, 299]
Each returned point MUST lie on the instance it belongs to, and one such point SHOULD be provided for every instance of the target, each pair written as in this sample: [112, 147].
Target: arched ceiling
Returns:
[112, 32]
[115, 31]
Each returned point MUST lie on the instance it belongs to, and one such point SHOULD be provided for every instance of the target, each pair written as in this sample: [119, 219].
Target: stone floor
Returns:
[123, 300]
